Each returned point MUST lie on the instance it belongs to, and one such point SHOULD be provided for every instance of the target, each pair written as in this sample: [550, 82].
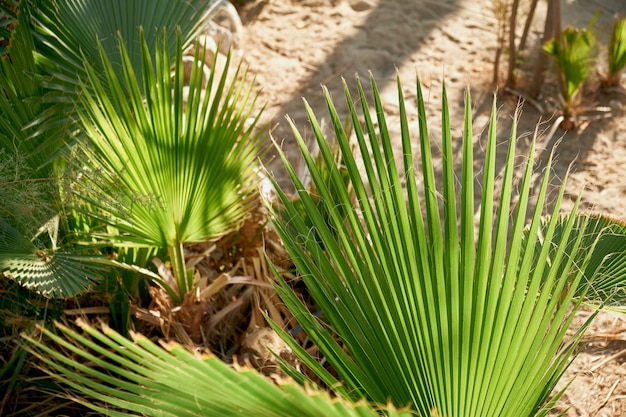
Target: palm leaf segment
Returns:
[429, 314]
[174, 164]
[139, 378]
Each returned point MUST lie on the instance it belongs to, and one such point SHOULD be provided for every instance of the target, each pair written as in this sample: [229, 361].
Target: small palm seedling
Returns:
[174, 164]
[616, 53]
[574, 54]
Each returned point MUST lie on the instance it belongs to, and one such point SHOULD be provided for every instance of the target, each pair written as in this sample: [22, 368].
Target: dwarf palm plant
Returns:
[174, 164]
[616, 52]
[49, 41]
[574, 54]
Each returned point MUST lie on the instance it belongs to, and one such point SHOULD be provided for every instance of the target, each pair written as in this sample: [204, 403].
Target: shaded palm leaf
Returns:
[174, 165]
[71, 32]
[7, 20]
[22, 102]
[122, 377]
[605, 238]
[428, 313]
[54, 273]
[29, 184]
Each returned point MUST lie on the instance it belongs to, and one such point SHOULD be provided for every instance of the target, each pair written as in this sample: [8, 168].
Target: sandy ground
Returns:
[293, 46]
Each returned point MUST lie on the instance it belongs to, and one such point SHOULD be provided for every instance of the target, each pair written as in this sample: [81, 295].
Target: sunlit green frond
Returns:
[175, 164]
[54, 273]
[116, 377]
[71, 32]
[427, 312]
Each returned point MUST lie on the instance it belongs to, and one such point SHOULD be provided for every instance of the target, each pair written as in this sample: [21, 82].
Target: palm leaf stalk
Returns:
[173, 165]
[427, 313]
[119, 377]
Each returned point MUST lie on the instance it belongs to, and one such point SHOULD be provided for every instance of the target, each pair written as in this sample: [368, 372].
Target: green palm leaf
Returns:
[29, 183]
[173, 165]
[118, 377]
[574, 54]
[605, 238]
[22, 101]
[74, 31]
[427, 312]
[54, 273]
[617, 51]
[71, 32]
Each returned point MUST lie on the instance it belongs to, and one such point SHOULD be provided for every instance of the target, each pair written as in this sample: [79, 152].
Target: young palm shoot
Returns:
[574, 54]
[616, 53]
[175, 164]
[418, 309]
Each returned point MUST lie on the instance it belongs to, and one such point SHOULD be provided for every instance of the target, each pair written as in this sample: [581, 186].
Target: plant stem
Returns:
[177, 259]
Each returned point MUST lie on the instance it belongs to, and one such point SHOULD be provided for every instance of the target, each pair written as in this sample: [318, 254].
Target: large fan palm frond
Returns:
[173, 165]
[426, 311]
[118, 377]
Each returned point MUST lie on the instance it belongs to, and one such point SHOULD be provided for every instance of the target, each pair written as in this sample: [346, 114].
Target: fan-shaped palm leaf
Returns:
[70, 32]
[428, 313]
[139, 378]
[29, 184]
[54, 273]
[173, 165]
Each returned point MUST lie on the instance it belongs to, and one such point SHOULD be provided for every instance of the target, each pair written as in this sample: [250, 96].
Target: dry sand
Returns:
[293, 46]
